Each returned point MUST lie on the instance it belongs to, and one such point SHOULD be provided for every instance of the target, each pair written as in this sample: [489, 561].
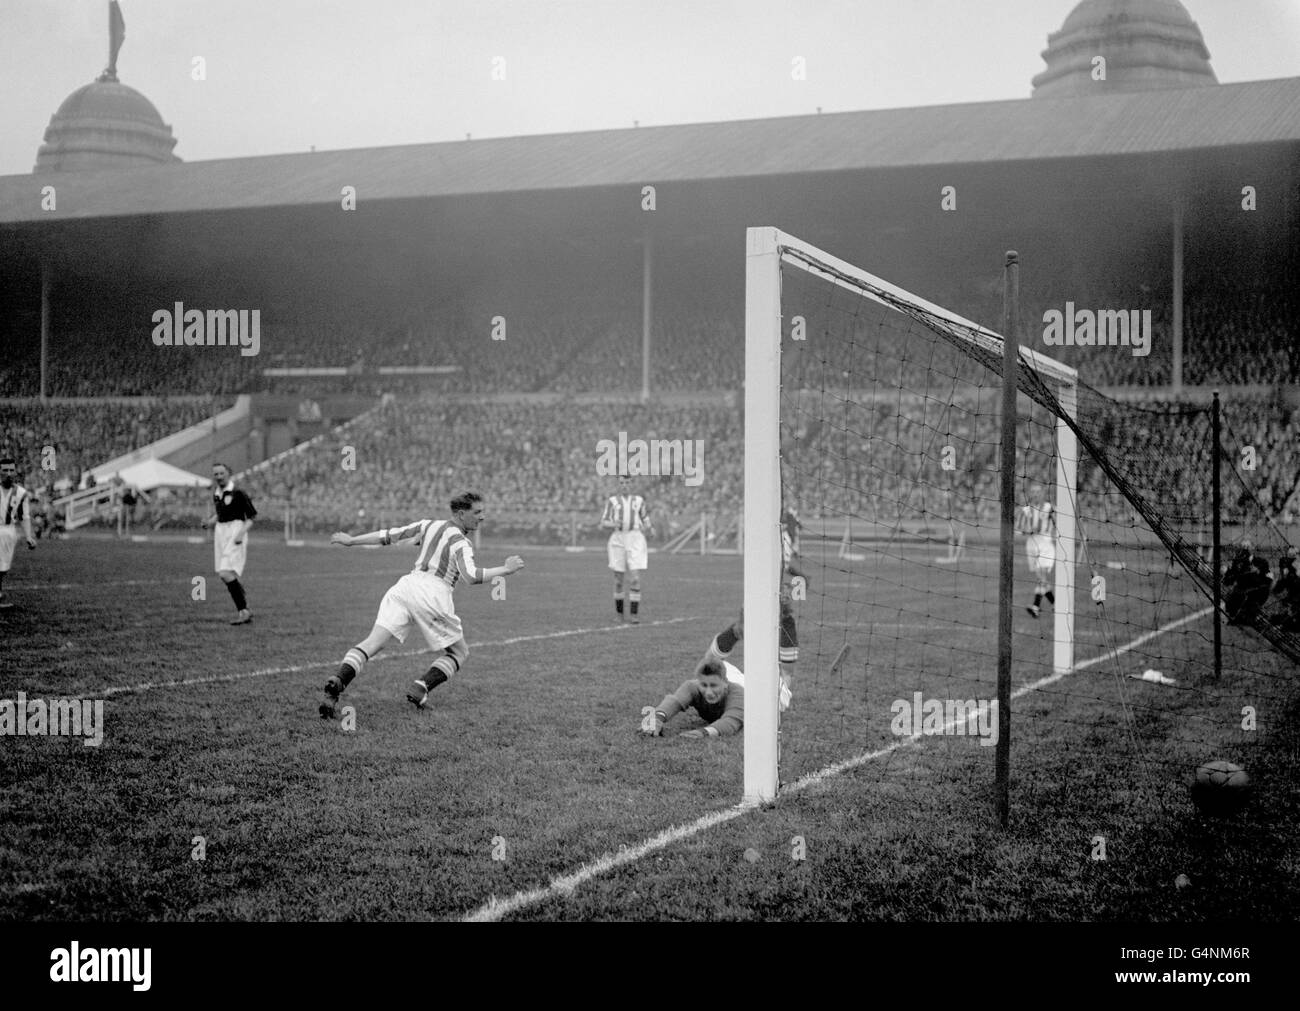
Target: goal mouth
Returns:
[876, 415]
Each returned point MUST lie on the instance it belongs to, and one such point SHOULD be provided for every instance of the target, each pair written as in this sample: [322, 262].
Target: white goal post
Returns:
[767, 249]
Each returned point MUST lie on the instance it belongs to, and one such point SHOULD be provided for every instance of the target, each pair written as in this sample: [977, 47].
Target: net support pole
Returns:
[1177, 289]
[1216, 551]
[762, 516]
[647, 311]
[45, 329]
[1006, 545]
[1067, 476]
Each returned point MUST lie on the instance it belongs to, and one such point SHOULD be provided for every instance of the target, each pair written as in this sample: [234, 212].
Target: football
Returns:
[1220, 788]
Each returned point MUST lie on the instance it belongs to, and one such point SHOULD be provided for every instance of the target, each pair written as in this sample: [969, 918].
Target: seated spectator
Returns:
[1246, 585]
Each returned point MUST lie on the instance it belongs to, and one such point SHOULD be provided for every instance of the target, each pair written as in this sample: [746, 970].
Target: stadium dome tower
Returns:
[106, 124]
[1148, 45]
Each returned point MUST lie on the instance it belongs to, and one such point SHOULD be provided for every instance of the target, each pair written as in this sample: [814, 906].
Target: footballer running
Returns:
[232, 517]
[422, 599]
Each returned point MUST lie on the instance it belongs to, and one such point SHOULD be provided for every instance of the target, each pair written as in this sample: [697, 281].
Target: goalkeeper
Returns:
[716, 693]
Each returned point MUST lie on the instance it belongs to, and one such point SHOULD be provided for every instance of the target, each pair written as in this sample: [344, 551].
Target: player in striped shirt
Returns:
[422, 598]
[626, 515]
[788, 644]
[15, 508]
[1039, 524]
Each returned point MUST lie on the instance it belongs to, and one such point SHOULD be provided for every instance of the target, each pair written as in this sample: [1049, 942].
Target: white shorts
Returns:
[8, 541]
[422, 600]
[627, 550]
[1040, 550]
[228, 554]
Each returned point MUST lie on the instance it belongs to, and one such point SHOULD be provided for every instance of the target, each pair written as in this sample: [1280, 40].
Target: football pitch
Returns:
[525, 792]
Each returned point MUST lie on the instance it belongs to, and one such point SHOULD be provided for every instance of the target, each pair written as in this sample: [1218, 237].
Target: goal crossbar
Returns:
[767, 249]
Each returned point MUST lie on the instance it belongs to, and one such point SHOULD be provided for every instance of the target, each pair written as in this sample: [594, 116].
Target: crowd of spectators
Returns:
[538, 462]
[569, 337]
[56, 444]
[539, 458]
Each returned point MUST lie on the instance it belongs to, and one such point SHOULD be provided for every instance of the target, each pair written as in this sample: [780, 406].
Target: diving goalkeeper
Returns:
[716, 693]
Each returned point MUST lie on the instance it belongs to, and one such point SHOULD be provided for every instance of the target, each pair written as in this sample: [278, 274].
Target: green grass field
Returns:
[525, 782]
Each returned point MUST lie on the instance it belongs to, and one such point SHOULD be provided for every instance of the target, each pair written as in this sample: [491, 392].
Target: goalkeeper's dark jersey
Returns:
[726, 716]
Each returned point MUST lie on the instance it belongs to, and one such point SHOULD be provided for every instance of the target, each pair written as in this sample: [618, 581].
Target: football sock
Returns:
[442, 669]
[1051, 598]
[1038, 599]
[725, 641]
[618, 602]
[789, 634]
[354, 663]
[435, 677]
[237, 594]
[634, 596]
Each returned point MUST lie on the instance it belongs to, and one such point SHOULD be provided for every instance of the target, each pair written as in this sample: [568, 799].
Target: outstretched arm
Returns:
[671, 705]
[470, 569]
[513, 564]
[388, 535]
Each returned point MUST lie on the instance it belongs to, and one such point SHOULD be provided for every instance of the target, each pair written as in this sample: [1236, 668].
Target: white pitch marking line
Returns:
[271, 671]
[494, 909]
[185, 580]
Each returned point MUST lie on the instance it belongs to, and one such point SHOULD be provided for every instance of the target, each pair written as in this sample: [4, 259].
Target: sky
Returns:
[289, 75]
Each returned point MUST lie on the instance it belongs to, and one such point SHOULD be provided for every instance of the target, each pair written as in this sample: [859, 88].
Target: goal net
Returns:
[873, 442]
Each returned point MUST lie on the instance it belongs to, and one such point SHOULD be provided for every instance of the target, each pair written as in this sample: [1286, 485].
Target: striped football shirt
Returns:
[444, 550]
[13, 501]
[626, 512]
[1034, 520]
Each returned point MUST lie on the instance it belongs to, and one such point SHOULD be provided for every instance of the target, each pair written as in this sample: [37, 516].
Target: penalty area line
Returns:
[299, 668]
[495, 909]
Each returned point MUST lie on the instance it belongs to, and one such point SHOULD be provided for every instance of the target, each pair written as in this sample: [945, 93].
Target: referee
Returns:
[233, 517]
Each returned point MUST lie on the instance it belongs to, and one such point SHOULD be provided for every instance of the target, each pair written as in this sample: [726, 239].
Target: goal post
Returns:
[767, 331]
[762, 565]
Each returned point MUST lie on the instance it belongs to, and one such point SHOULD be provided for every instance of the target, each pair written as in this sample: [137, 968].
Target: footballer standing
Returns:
[626, 515]
[1039, 524]
[14, 509]
[232, 517]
